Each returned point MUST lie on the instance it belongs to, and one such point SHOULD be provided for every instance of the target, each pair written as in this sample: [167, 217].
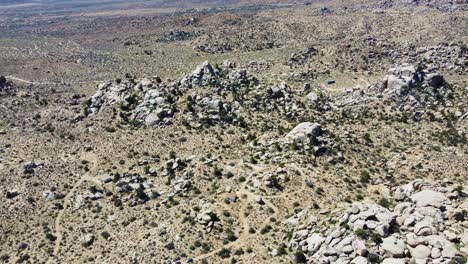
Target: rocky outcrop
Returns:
[215, 47]
[301, 58]
[226, 78]
[206, 217]
[6, 87]
[176, 35]
[446, 5]
[151, 102]
[147, 102]
[428, 223]
[413, 88]
[304, 133]
[210, 109]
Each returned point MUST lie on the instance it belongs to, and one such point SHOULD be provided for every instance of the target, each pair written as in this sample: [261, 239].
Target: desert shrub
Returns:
[224, 253]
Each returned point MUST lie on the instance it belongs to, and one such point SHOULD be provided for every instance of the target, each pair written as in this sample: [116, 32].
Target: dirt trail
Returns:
[244, 234]
[47, 83]
[66, 203]
[29, 82]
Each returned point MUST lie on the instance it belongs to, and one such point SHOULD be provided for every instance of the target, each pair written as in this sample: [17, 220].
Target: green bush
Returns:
[361, 233]
[224, 253]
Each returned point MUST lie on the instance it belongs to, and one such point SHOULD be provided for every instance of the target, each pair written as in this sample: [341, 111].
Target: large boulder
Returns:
[428, 198]
[305, 133]
[394, 247]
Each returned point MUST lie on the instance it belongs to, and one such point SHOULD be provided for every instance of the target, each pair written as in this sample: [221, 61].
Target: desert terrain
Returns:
[233, 131]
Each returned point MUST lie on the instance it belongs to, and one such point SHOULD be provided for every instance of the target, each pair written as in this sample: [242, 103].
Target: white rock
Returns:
[360, 247]
[359, 260]
[394, 247]
[347, 249]
[304, 132]
[423, 228]
[314, 242]
[330, 251]
[451, 236]
[87, 240]
[435, 253]
[413, 240]
[259, 199]
[449, 251]
[428, 198]
[393, 261]
[420, 252]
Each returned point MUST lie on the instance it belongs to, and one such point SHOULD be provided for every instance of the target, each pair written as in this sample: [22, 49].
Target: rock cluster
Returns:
[441, 57]
[227, 77]
[206, 217]
[277, 98]
[418, 93]
[215, 47]
[149, 101]
[176, 35]
[136, 188]
[211, 109]
[445, 5]
[300, 58]
[6, 87]
[414, 88]
[213, 94]
[427, 225]
[271, 180]
[223, 46]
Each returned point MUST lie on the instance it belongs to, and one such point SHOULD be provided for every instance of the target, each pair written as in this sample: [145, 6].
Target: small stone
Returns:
[449, 251]
[88, 240]
[393, 261]
[413, 240]
[49, 195]
[330, 251]
[435, 253]
[259, 200]
[423, 228]
[314, 242]
[360, 247]
[348, 249]
[382, 230]
[105, 178]
[451, 236]
[359, 260]
[409, 221]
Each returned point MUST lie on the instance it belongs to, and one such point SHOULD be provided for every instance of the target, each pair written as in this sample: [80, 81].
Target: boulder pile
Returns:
[413, 88]
[301, 58]
[215, 47]
[211, 109]
[227, 77]
[427, 224]
[446, 5]
[151, 102]
[206, 217]
[6, 87]
[176, 35]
